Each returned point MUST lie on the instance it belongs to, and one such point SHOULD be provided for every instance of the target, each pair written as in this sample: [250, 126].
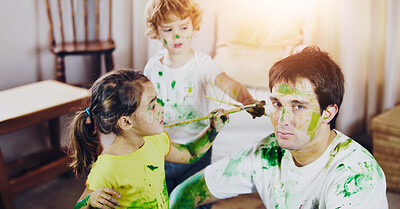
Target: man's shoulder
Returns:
[269, 151]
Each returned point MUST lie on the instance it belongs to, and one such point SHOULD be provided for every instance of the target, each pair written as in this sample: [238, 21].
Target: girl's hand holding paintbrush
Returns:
[258, 110]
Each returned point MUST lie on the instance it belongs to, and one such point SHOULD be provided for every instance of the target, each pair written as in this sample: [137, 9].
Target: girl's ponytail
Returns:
[84, 142]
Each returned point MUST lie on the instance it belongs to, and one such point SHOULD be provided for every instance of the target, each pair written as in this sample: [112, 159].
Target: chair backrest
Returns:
[62, 13]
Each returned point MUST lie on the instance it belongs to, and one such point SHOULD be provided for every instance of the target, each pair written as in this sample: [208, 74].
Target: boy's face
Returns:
[176, 35]
[295, 114]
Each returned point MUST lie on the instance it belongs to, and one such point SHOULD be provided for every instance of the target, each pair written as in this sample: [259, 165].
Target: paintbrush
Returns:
[228, 103]
[234, 110]
[221, 101]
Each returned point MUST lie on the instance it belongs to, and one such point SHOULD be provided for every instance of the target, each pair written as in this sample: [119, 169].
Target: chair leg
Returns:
[109, 61]
[6, 198]
[60, 73]
[54, 127]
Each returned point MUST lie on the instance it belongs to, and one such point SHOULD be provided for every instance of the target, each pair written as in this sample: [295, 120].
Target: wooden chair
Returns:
[62, 47]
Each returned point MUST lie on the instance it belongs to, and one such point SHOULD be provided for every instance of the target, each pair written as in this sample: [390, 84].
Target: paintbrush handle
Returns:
[230, 111]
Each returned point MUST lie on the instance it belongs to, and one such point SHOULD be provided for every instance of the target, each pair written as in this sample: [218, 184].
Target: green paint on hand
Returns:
[159, 101]
[176, 36]
[165, 42]
[82, 203]
[160, 73]
[173, 84]
[152, 167]
[313, 125]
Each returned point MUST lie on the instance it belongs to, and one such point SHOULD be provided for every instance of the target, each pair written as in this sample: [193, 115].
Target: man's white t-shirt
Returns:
[345, 176]
[182, 91]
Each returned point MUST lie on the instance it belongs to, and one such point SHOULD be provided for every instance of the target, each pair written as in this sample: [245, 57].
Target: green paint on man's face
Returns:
[152, 167]
[285, 89]
[148, 108]
[159, 101]
[177, 36]
[173, 84]
[165, 42]
[283, 113]
[313, 125]
[160, 73]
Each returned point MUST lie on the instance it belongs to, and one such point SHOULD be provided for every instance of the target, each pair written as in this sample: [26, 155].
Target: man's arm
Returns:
[191, 193]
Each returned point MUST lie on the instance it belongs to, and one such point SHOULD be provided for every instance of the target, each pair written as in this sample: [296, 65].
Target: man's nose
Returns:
[285, 115]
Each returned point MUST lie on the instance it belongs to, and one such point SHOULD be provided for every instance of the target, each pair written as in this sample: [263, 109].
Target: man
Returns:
[305, 163]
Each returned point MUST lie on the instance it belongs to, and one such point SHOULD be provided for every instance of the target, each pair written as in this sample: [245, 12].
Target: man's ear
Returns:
[329, 113]
[125, 122]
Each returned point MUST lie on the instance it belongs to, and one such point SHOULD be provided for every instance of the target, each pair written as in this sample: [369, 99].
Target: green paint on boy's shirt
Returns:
[271, 153]
[159, 101]
[354, 184]
[190, 90]
[160, 73]
[158, 86]
[152, 167]
[232, 167]
[173, 84]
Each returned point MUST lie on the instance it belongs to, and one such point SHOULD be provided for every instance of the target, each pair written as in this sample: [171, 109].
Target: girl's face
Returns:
[148, 117]
[176, 35]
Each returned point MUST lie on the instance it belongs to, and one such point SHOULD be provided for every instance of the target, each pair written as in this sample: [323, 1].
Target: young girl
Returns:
[124, 102]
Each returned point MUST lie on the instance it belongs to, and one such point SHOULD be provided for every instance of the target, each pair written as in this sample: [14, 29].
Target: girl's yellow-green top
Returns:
[138, 176]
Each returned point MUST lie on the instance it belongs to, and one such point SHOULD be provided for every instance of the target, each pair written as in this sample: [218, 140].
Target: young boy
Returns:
[181, 76]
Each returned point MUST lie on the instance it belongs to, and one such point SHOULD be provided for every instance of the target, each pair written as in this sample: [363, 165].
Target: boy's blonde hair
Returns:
[160, 11]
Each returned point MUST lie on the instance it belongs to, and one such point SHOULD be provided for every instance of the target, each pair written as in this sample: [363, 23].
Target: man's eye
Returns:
[184, 28]
[298, 107]
[153, 107]
[276, 104]
[167, 29]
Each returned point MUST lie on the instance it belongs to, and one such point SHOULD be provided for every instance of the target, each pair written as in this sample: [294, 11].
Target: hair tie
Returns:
[87, 111]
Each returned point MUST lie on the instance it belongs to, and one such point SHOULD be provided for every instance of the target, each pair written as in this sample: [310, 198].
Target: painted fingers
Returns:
[258, 110]
[218, 120]
[103, 198]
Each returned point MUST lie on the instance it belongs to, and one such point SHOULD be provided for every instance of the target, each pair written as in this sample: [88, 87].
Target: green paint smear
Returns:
[271, 153]
[158, 85]
[165, 42]
[354, 184]
[173, 84]
[144, 203]
[185, 195]
[160, 73]
[232, 167]
[82, 203]
[313, 124]
[176, 36]
[283, 112]
[159, 101]
[190, 90]
[285, 89]
[148, 108]
[152, 167]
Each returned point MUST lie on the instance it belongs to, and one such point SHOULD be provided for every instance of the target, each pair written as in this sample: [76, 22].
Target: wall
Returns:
[25, 58]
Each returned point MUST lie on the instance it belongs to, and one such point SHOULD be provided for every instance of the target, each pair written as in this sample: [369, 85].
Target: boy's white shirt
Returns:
[348, 178]
[183, 91]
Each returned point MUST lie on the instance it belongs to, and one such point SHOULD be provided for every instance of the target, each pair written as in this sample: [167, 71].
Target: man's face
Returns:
[295, 114]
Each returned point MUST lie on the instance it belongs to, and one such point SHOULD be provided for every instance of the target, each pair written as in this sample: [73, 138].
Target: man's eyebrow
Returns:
[300, 102]
[153, 99]
[273, 98]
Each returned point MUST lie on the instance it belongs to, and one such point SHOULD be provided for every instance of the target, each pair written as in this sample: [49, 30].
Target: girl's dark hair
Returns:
[316, 66]
[117, 93]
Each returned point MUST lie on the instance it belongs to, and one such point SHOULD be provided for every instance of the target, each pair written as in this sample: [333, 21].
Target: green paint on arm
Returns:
[152, 167]
[173, 84]
[313, 125]
[199, 146]
[188, 192]
[159, 101]
[160, 73]
[82, 203]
